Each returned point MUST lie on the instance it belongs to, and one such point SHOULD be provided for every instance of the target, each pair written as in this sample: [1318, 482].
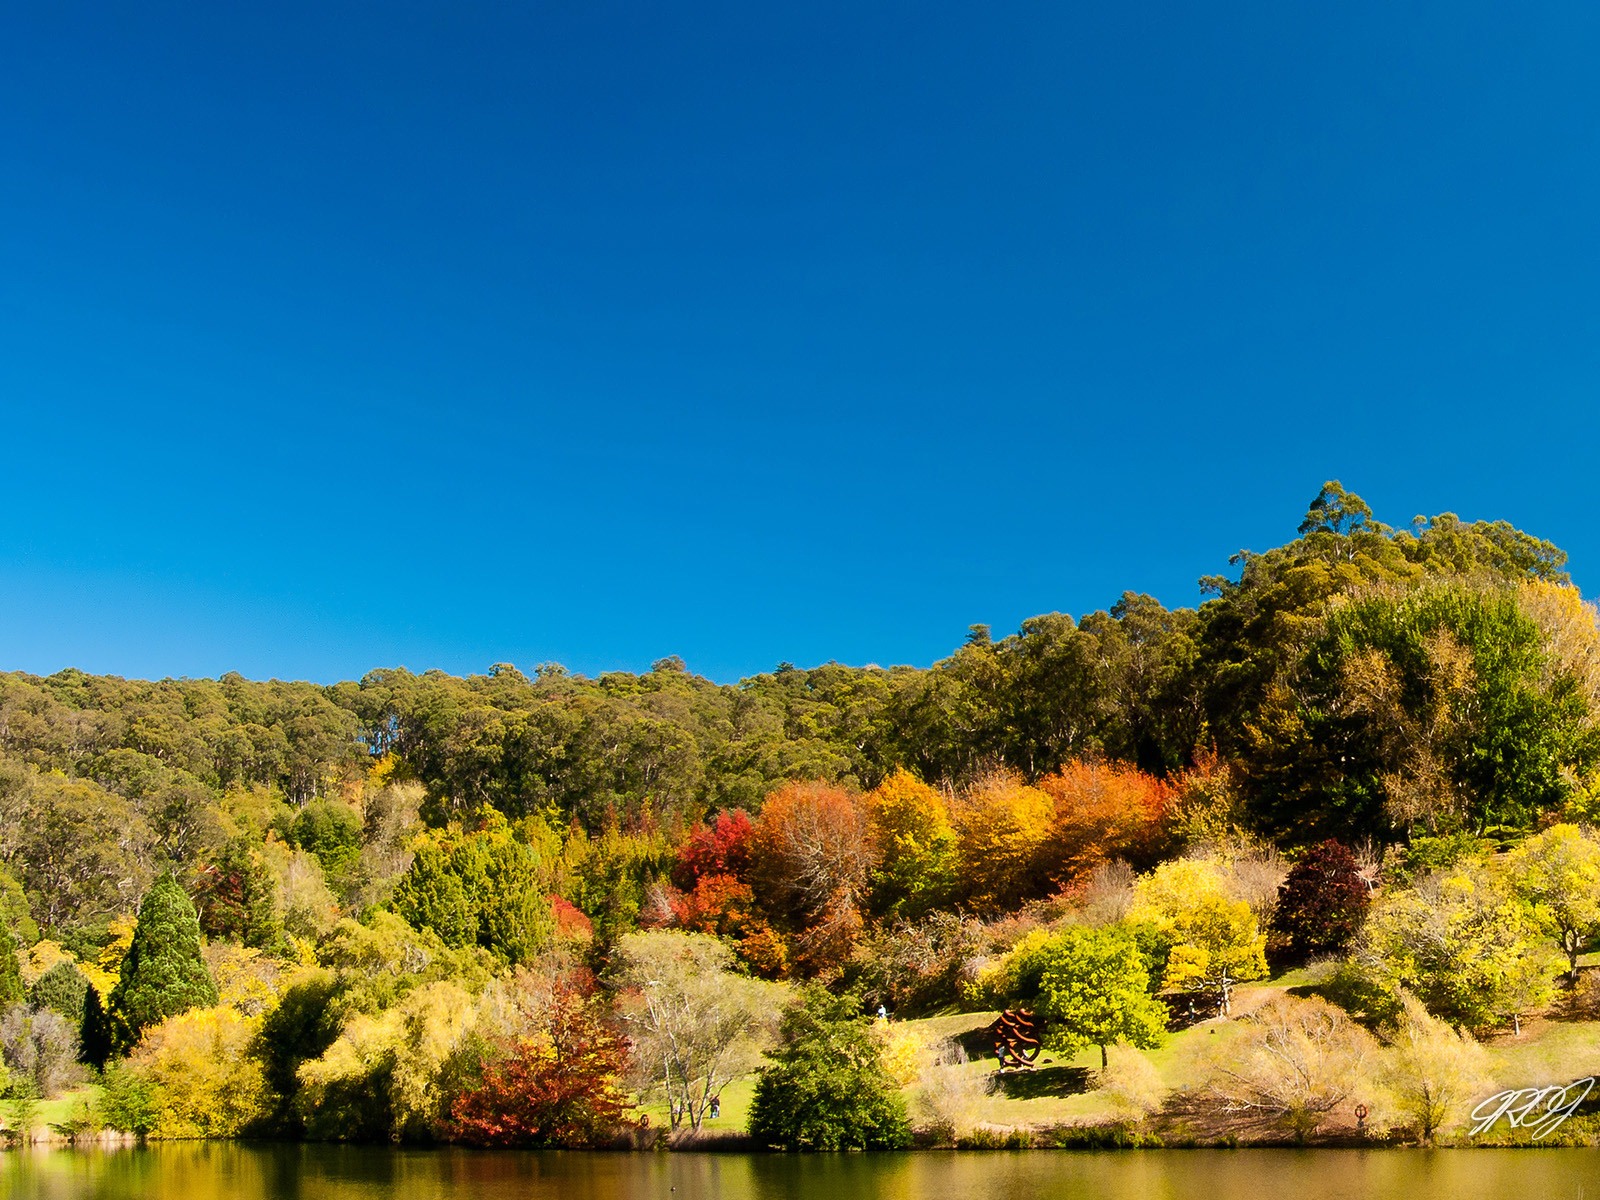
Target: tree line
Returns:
[405, 906]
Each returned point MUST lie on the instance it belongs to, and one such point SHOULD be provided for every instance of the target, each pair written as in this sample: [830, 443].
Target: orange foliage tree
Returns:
[1102, 810]
[1001, 823]
[562, 1088]
[810, 861]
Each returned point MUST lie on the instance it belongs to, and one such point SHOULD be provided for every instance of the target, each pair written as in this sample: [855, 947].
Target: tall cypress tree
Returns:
[11, 991]
[163, 973]
[94, 1031]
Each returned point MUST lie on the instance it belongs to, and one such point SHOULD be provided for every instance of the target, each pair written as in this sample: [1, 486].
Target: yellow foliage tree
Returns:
[1215, 940]
[913, 845]
[1001, 824]
[206, 1083]
[381, 1076]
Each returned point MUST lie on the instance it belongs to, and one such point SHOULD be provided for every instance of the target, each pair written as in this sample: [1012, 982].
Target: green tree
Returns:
[163, 973]
[11, 991]
[1095, 991]
[63, 988]
[826, 1087]
[95, 1043]
[489, 889]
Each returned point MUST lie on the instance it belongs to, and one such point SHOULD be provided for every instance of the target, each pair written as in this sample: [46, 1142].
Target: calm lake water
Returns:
[200, 1172]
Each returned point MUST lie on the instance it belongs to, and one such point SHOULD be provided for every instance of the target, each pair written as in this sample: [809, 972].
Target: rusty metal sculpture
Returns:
[1017, 1037]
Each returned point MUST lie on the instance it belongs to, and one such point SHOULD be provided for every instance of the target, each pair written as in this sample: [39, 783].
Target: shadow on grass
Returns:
[1044, 1081]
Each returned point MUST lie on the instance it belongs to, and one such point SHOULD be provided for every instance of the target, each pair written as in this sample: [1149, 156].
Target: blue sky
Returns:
[344, 335]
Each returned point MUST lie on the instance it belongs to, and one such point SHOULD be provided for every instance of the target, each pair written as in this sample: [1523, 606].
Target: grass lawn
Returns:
[735, 1108]
[1060, 1090]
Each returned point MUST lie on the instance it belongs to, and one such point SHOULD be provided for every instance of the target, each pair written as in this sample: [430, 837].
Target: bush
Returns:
[41, 1049]
[202, 1081]
[827, 1088]
[62, 989]
[128, 1101]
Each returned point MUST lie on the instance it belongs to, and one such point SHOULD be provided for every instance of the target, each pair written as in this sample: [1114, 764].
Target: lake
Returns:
[198, 1171]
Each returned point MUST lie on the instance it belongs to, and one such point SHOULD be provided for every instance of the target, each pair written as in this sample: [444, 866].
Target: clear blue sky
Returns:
[343, 335]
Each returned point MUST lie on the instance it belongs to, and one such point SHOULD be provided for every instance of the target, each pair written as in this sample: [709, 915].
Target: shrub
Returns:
[826, 1088]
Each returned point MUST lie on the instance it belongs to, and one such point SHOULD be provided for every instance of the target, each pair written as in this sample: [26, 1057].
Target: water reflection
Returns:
[200, 1171]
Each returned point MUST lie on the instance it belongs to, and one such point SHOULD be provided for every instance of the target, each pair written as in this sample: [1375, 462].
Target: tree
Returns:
[203, 1081]
[1095, 991]
[811, 857]
[384, 1076]
[558, 1088]
[164, 973]
[1464, 945]
[720, 848]
[1103, 811]
[487, 888]
[63, 989]
[236, 897]
[1321, 904]
[1558, 873]
[40, 1049]
[695, 1023]
[826, 1087]
[1214, 939]
[1297, 1061]
[913, 846]
[1433, 1071]
[95, 1043]
[11, 991]
[1001, 825]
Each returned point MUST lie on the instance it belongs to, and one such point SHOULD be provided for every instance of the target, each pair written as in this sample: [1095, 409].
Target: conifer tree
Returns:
[94, 1032]
[163, 973]
[11, 991]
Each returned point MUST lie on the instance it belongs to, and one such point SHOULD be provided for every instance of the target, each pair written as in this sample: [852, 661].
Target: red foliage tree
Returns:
[1321, 904]
[719, 904]
[720, 848]
[561, 1089]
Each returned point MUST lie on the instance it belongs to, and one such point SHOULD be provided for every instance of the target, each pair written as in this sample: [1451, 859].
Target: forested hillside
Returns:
[411, 840]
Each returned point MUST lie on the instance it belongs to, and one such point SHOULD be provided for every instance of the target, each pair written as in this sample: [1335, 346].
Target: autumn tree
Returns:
[559, 1085]
[1296, 1062]
[1103, 811]
[811, 859]
[235, 897]
[383, 1076]
[203, 1080]
[163, 973]
[720, 847]
[1321, 904]
[1464, 944]
[1434, 1072]
[1557, 872]
[1094, 990]
[1001, 824]
[1214, 941]
[913, 846]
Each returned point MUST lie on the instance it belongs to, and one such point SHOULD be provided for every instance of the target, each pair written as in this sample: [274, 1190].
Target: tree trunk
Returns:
[1103, 1061]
